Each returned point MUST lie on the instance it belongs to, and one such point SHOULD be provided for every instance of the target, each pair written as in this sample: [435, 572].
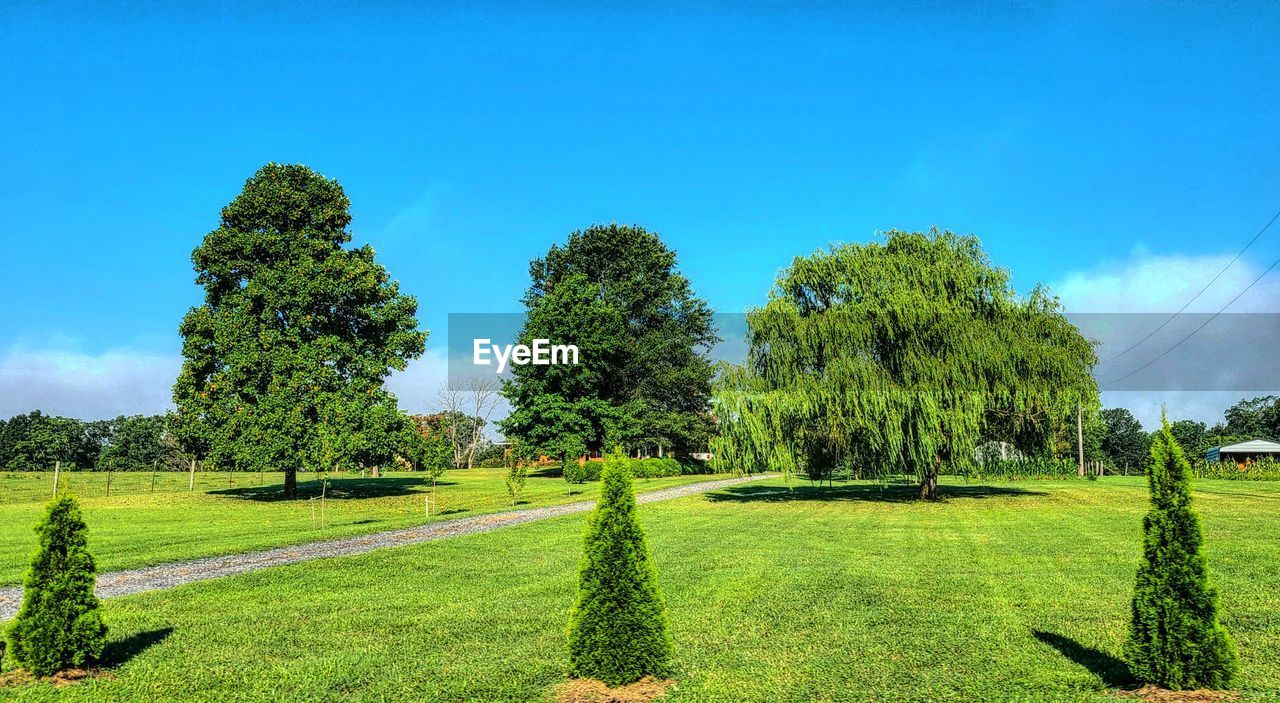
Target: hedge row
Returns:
[639, 468]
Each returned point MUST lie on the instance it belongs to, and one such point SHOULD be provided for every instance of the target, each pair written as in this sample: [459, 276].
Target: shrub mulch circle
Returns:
[593, 691]
[1155, 694]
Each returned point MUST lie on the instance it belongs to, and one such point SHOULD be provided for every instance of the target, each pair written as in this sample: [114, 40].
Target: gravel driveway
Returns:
[123, 583]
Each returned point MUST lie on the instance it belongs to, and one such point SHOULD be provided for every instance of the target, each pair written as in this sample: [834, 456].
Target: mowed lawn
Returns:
[1012, 592]
[136, 528]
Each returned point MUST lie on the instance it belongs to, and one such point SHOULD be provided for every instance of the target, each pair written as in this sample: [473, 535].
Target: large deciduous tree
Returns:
[284, 362]
[1124, 442]
[899, 355]
[643, 337]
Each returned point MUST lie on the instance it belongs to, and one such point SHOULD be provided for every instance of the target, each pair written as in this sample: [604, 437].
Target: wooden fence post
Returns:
[57, 468]
[191, 477]
[153, 475]
[108, 483]
[1080, 438]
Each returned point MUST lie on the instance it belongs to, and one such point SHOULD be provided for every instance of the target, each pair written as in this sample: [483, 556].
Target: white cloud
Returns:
[1147, 283]
[60, 380]
[418, 386]
[86, 386]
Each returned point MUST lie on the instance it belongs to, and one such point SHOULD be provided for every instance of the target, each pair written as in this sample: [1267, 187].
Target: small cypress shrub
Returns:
[59, 624]
[1175, 640]
[617, 628]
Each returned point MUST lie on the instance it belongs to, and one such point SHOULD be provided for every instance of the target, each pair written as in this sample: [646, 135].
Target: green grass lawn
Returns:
[137, 528]
[1012, 592]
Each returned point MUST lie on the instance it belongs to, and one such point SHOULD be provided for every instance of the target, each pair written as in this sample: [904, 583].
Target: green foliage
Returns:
[643, 337]
[901, 355]
[573, 473]
[1175, 640]
[1192, 436]
[1029, 468]
[617, 628]
[37, 441]
[517, 474]
[1252, 417]
[432, 447]
[139, 442]
[284, 362]
[654, 467]
[1125, 444]
[58, 625]
[1266, 469]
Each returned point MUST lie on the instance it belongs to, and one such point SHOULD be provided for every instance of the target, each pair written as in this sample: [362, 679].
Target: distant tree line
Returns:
[129, 442]
[1124, 444]
[36, 441]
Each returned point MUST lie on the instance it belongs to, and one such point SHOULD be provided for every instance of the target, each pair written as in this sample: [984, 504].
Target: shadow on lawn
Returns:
[1113, 672]
[119, 652]
[859, 491]
[339, 489]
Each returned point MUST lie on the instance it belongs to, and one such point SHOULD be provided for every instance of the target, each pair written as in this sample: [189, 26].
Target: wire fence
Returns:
[29, 486]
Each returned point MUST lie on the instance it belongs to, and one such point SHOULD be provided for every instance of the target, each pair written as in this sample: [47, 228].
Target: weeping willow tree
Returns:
[899, 356]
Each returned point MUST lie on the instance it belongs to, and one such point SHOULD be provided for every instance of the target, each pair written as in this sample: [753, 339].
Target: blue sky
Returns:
[1089, 146]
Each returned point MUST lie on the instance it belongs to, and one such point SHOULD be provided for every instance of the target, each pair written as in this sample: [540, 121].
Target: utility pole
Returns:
[1080, 438]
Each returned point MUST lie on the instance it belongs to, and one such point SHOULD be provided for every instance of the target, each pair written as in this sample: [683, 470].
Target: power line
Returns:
[1196, 330]
[1198, 294]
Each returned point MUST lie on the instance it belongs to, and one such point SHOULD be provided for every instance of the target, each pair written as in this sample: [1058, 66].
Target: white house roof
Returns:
[1253, 446]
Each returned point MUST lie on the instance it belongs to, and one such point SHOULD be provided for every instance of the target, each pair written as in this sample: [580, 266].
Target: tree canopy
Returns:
[1125, 443]
[899, 355]
[284, 362]
[643, 338]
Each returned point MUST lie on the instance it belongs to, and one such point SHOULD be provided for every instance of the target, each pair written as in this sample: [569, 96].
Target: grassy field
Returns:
[138, 528]
[1008, 592]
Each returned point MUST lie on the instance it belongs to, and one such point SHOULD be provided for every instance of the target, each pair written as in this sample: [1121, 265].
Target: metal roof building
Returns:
[1244, 451]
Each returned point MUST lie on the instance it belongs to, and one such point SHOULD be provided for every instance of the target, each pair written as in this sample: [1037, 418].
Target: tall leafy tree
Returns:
[616, 290]
[284, 362]
[1175, 639]
[1124, 442]
[1192, 436]
[138, 442]
[1252, 417]
[898, 355]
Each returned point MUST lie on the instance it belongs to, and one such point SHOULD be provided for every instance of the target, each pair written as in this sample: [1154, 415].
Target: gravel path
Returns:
[123, 583]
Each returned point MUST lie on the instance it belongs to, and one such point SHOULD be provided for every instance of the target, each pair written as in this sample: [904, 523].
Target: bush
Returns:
[516, 476]
[617, 628]
[1175, 640]
[59, 625]
[654, 468]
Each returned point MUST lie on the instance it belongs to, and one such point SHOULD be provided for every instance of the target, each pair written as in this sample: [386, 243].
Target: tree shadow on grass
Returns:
[873, 492]
[1113, 672]
[548, 472]
[339, 489]
[121, 651]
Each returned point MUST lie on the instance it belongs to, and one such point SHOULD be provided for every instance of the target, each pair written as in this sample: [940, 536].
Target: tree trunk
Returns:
[290, 483]
[929, 484]
[377, 472]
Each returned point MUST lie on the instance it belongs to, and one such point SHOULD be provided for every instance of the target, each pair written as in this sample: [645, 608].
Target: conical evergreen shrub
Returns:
[618, 627]
[1175, 640]
[59, 625]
